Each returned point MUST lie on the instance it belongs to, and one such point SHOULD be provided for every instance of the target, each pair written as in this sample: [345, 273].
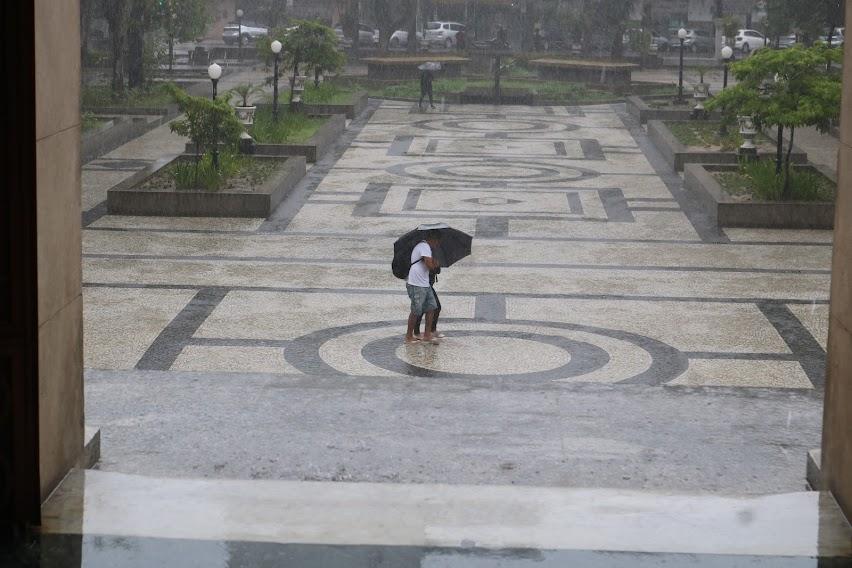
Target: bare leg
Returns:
[427, 331]
[409, 334]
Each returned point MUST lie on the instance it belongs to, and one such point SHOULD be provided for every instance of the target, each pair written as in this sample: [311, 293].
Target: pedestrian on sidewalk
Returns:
[419, 287]
[426, 78]
[433, 277]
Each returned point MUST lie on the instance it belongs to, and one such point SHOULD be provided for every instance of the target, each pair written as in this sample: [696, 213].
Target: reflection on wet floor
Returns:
[104, 519]
[92, 551]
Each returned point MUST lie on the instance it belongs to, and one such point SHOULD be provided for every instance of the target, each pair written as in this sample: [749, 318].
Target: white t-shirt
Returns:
[418, 275]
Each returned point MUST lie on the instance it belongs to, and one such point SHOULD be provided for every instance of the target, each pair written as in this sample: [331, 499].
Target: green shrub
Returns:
[200, 173]
[760, 180]
[291, 127]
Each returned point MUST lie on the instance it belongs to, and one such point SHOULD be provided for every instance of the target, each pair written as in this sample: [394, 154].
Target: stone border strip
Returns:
[164, 351]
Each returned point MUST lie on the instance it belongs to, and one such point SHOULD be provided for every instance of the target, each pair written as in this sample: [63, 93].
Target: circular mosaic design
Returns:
[507, 126]
[490, 171]
[527, 350]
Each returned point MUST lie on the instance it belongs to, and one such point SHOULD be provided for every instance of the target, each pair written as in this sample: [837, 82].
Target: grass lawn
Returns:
[705, 134]
[291, 128]
[102, 96]
[328, 94]
[757, 181]
[236, 172]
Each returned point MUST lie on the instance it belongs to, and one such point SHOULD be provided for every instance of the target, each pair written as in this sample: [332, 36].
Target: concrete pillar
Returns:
[60, 301]
[837, 426]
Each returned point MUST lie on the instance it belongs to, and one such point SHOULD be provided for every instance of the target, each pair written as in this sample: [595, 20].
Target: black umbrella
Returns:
[455, 244]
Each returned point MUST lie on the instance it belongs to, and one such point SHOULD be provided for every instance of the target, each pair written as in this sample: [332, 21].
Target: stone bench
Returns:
[582, 71]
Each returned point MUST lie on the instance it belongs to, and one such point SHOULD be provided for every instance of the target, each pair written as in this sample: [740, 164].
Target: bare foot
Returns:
[412, 340]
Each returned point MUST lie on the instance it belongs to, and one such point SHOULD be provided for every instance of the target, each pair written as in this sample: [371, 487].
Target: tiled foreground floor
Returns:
[590, 267]
[107, 519]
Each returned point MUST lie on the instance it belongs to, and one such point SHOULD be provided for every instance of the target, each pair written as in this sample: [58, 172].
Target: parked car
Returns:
[787, 41]
[443, 33]
[747, 41]
[367, 36]
[250, 33]
[695, 41]
[836, 38]
[657, 42]
[400, 38]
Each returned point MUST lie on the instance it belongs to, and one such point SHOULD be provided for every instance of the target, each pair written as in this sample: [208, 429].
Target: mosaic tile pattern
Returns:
[590, 265]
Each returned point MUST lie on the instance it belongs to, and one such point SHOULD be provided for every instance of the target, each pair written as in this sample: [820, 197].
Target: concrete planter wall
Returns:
[728, 212]
[117, 132]
[312, 149]
[351, 109]
[678, 155]
[639, 107]
[129, 199]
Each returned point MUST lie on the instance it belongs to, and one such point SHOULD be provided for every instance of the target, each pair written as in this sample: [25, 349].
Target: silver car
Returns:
[400, 38]
[443, 33]
[250, 33]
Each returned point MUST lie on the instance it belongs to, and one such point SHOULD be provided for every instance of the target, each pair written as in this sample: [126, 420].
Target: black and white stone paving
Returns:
[591, 268]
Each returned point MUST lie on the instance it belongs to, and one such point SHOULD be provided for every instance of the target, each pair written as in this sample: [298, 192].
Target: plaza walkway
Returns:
[603, 333]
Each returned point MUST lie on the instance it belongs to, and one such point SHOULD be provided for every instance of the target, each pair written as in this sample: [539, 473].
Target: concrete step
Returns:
[334, 524]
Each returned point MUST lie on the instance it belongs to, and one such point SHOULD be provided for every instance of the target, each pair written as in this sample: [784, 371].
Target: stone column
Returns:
[837, 424]
[60, 301]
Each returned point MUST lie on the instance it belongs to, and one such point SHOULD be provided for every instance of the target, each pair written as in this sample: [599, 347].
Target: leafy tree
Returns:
[391, 15]
[788, 88]
[207, 123]
[312, 45]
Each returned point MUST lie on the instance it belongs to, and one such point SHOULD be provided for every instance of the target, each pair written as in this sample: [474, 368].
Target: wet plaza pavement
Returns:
[603, 332]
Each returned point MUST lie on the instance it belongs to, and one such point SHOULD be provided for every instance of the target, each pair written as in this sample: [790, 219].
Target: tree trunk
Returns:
[136, 45]
[779, 149]
[787, 194]
[413, 5]
[117, 15]
[617, 49]
[293, 80]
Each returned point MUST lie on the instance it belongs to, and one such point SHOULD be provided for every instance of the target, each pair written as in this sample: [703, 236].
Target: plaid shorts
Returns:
[422, 299]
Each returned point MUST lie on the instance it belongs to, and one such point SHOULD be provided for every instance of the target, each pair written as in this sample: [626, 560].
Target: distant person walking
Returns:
[426, 78]
[460, 40]
[420, 292]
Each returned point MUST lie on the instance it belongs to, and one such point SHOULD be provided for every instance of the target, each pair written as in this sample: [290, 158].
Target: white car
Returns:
[747, 41]
[232, 31]
[400, 38]
[367, 36]
[443, 33]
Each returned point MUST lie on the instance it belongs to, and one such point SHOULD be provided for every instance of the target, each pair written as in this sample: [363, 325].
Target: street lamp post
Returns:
[214, 72]
[727, 53]
[240, 35]
[276, 49]
[681, 34]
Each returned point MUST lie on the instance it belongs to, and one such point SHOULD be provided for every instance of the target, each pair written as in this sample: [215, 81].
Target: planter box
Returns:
[592, 72]
[728, 212]
[312, 149]
[128, 199]
[118, 131]
[678, 155]
[399, 68]
[351, 109]
[639, 107]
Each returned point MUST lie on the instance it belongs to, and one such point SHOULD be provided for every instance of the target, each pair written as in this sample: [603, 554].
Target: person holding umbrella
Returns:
[426, 77]
[419, 287]
[415, 255]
